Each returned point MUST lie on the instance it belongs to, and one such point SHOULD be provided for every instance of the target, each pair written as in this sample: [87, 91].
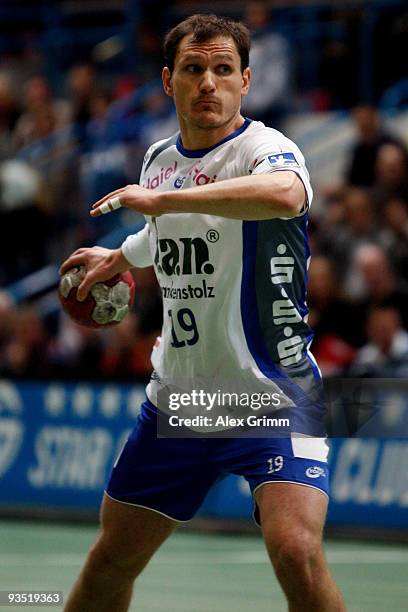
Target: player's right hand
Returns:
[100, 264]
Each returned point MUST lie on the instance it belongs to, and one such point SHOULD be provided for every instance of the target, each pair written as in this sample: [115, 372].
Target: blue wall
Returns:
[59, 441]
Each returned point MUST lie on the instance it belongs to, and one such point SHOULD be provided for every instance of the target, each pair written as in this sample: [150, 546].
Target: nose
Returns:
[207, 84]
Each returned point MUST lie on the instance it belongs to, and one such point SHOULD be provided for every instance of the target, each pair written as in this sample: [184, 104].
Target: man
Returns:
[225, 202]
[270, 95]
[371, 136]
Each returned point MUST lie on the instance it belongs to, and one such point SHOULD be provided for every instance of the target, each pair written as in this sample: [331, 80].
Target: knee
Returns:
[297, 559]
[106, 561]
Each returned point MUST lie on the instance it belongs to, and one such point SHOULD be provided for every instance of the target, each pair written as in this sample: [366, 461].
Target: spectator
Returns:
[81, 80]
[336, 73]
[6, 317]
[86, 364]
[380, 285]
[40, 107]
[337, 323]
[104, 162]
[25, 353]
[371, 135]
[76, 351]
[53, 154]
[149, 44]
[22, 250]
[268, 97]
[386, 353]
[394, 236]
[9, 114]
[391, 174]
[356, 227]
[127, 356]
[158, 118]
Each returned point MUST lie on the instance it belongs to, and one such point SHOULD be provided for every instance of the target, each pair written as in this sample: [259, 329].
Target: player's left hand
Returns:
[134, 197]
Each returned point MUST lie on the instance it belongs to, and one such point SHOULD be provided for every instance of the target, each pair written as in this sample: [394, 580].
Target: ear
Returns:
[166, 78]
[246, 80]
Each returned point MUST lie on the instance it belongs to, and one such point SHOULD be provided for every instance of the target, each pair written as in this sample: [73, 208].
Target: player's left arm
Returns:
[254, 197]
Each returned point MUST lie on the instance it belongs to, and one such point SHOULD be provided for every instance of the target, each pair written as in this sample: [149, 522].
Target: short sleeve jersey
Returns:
[233, 291]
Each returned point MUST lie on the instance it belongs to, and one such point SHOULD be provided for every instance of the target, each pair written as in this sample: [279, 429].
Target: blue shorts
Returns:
[173, 476]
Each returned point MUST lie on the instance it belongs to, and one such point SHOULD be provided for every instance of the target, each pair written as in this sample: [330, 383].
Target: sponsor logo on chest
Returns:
[152, 182]
[183, 256]
[196, 174]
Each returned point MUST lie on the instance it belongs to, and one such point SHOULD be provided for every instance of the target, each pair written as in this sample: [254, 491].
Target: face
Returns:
[390, 165]
[321, 286]
[382, 326]
[367, 121]
[374, 267]
[359, 210]
[207, 83]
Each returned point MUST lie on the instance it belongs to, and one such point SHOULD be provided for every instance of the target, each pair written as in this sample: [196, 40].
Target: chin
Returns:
[208, 119]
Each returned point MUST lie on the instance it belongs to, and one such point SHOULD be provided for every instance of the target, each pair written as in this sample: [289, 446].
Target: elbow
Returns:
[294, 207]
[293, 195]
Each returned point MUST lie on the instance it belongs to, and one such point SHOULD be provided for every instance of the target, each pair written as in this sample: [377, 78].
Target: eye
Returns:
[224, 69]
[192, 68]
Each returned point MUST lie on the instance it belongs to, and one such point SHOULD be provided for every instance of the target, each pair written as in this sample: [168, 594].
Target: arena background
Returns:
[80, 101]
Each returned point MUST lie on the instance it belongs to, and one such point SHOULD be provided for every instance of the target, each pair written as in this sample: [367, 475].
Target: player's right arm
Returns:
[101, 264]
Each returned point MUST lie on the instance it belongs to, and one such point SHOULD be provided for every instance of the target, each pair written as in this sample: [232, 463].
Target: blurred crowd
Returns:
[358, 276]
[57, 156]
[59, 153]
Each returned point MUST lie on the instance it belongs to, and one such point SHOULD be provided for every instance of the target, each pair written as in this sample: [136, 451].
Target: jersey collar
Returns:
[202, 152]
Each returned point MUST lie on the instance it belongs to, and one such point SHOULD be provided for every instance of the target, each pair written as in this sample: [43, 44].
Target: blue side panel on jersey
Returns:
[304, 309]
[302, 306]
[251, 323]
[249, 307]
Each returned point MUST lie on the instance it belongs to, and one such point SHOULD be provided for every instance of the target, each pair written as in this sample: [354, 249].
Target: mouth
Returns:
[206, 102]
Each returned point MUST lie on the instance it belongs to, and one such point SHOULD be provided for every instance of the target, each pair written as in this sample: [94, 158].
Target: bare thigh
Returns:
[291, 515]
[130, 535]
[292, 518]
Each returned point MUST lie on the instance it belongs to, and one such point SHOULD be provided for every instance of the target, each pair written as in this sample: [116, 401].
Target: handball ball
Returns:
[106, 304]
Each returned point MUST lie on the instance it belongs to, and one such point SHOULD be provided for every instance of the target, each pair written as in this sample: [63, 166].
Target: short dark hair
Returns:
[205, 28]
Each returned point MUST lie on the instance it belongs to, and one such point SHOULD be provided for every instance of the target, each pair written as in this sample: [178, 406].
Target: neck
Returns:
[198, 137]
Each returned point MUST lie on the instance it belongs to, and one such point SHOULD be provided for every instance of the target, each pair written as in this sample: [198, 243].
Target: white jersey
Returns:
[234, 309]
